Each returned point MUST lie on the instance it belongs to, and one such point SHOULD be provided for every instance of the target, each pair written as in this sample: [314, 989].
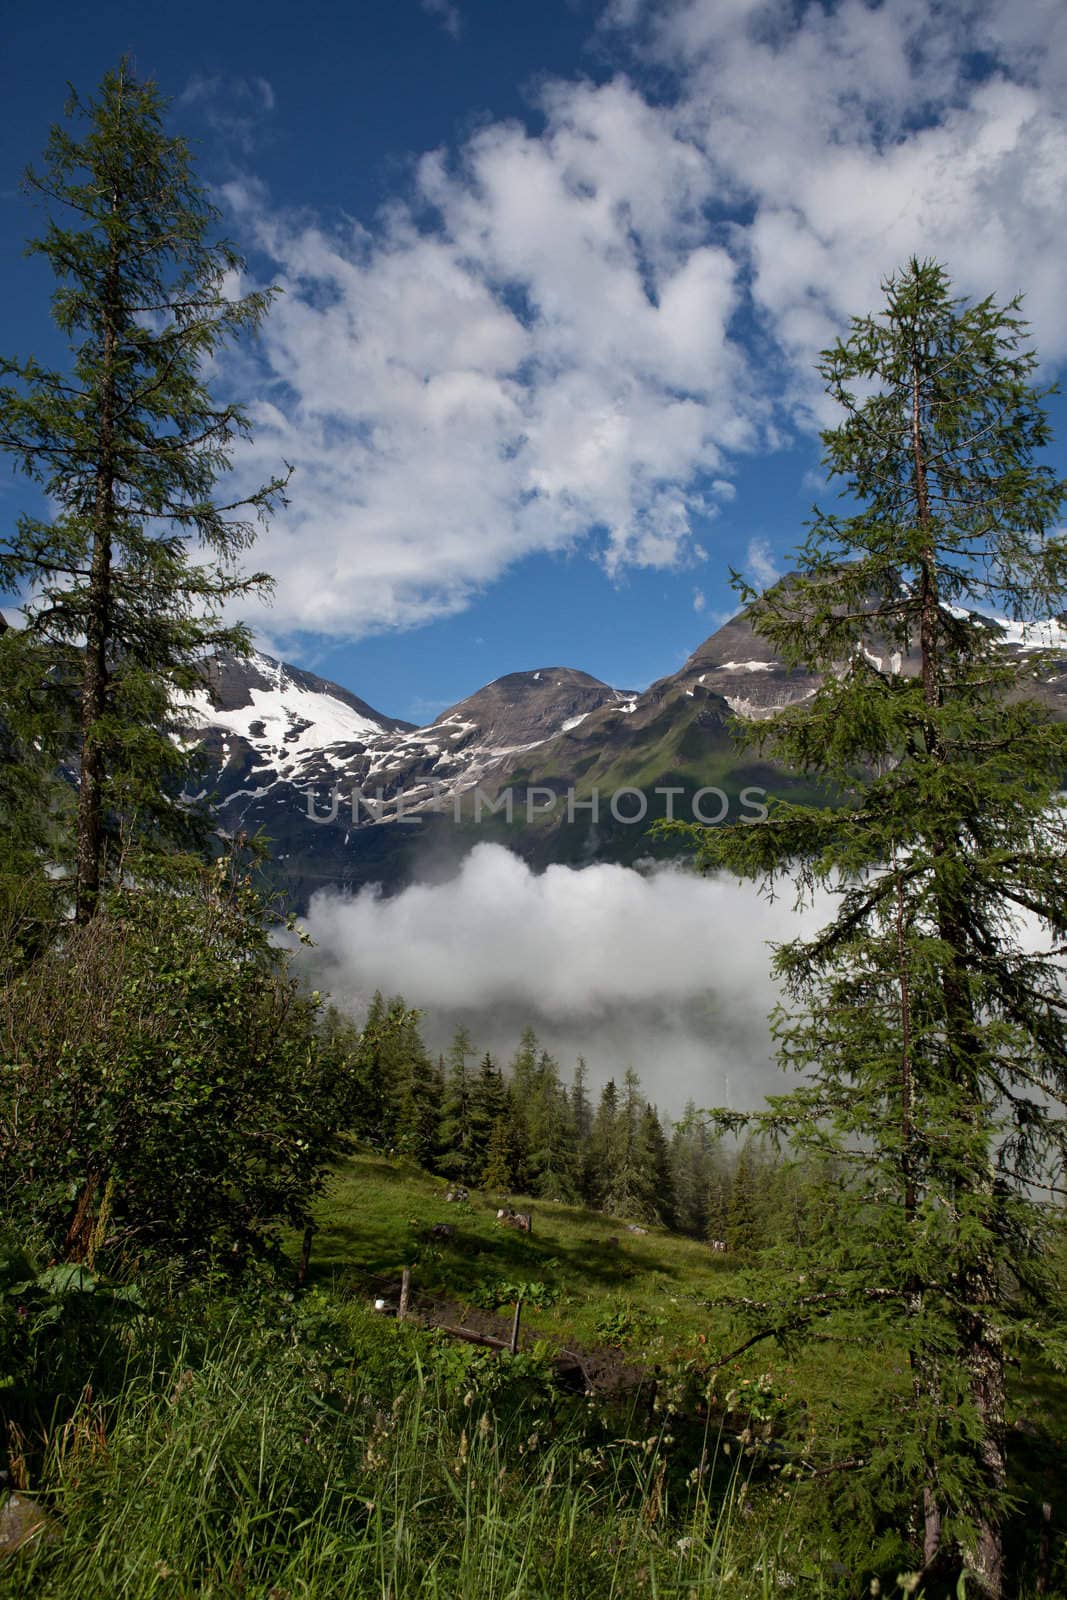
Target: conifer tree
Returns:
[928, 1021]
[549, 1133]
[718, 1204]
[127, 579]
[581, 1110]
[380, 1064]
[522, 1086]
[498, 1174]
[691, 1170]
[659, 1201]
[488, 1105]
[744, 1232]
[627, 1188]
[417, 1087]
[582, 1122]
[604, 1146]
[455, 1134]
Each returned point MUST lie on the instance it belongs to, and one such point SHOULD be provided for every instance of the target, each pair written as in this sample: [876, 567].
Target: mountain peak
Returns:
[526, 708]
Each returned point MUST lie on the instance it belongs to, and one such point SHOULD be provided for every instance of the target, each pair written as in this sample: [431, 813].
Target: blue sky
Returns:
[555, 275]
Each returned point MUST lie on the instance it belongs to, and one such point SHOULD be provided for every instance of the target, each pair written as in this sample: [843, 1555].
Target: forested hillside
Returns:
[520, 1129]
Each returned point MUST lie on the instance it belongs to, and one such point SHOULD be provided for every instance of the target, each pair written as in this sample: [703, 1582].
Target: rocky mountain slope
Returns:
[576, 770]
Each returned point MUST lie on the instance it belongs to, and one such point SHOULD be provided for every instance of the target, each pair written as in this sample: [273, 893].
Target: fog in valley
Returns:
[667, 972]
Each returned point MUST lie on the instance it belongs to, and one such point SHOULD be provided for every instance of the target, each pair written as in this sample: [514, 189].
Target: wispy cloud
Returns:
[761, 563]
[235, 107]
[447, 14]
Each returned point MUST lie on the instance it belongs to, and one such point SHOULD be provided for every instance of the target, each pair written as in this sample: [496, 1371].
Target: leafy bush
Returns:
[163, 1088]
[490, 1296]
[625, 1324]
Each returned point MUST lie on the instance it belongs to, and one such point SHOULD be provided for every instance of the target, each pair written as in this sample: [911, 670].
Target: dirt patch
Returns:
[601, 1370]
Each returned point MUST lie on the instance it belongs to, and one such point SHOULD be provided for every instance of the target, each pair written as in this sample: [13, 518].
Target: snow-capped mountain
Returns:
[349, 795]
[285, 752]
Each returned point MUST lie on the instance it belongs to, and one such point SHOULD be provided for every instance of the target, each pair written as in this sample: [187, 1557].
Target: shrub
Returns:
[163, 1088]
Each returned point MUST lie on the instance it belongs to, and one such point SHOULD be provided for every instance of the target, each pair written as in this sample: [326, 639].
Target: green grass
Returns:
[305, 1448]
[375, 1216]
[370, 1463]
[646, 1295]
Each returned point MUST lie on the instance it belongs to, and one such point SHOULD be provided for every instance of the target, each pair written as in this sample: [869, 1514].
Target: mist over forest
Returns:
[663, 970]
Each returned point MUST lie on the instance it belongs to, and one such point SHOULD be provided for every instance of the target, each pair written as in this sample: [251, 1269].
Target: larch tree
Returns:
[927, 1018]
[126, 582]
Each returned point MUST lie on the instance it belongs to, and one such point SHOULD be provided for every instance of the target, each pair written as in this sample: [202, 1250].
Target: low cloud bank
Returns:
[669, 973]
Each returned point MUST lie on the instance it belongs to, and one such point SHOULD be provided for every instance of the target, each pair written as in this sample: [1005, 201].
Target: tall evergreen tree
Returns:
[582, 1123]
[550, 1133]
[416, 1086]
[929, 1024]
[604, 1146]
[691, 1171]
[522, 1087]
[122, 608]
[718, 1203]
[455, 1135]
[627, 1186]
[488, 1105]
[499, 1159]
[744, 1229]
[659, 1201]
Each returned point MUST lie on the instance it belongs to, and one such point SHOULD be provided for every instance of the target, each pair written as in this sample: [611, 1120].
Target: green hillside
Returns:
[636, 1304]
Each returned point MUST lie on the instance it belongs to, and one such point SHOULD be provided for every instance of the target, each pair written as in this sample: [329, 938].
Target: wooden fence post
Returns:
[405, 1294]
[515, 1327]
[305, 1255]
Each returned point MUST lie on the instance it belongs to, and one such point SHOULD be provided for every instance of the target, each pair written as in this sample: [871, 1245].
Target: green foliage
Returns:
[628, 1167]
[744, 1231]
[162, 1085]
[626, 1324]
[460, 1156]
[502, 1157]
[524, 1132]
[490, 1295]
[927, 1025]
[121, 608]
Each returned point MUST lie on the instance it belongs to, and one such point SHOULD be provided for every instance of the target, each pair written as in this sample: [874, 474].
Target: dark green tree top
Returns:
[126, 582]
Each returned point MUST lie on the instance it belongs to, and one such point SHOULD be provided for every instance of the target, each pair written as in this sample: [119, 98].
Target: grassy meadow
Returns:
[301, 1446]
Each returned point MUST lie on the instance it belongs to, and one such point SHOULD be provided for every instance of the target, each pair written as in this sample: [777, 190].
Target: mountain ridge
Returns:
[351, 796]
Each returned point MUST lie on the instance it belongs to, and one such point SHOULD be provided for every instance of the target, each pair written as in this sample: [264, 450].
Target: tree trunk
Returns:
[90, 826]
[979, 1345]
[90, 837]
[931, 1528]
[984, 1359]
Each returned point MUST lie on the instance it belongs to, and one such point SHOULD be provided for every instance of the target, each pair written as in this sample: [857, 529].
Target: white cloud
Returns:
[699, 600]
[234, 107]
[447, 14]
[550, 344]
[668, 972]
[862, 135]
[548, 364]
[761, 563]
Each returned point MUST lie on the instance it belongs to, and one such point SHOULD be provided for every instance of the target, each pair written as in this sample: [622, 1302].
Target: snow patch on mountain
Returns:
[1049, 634]
[289, 717]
